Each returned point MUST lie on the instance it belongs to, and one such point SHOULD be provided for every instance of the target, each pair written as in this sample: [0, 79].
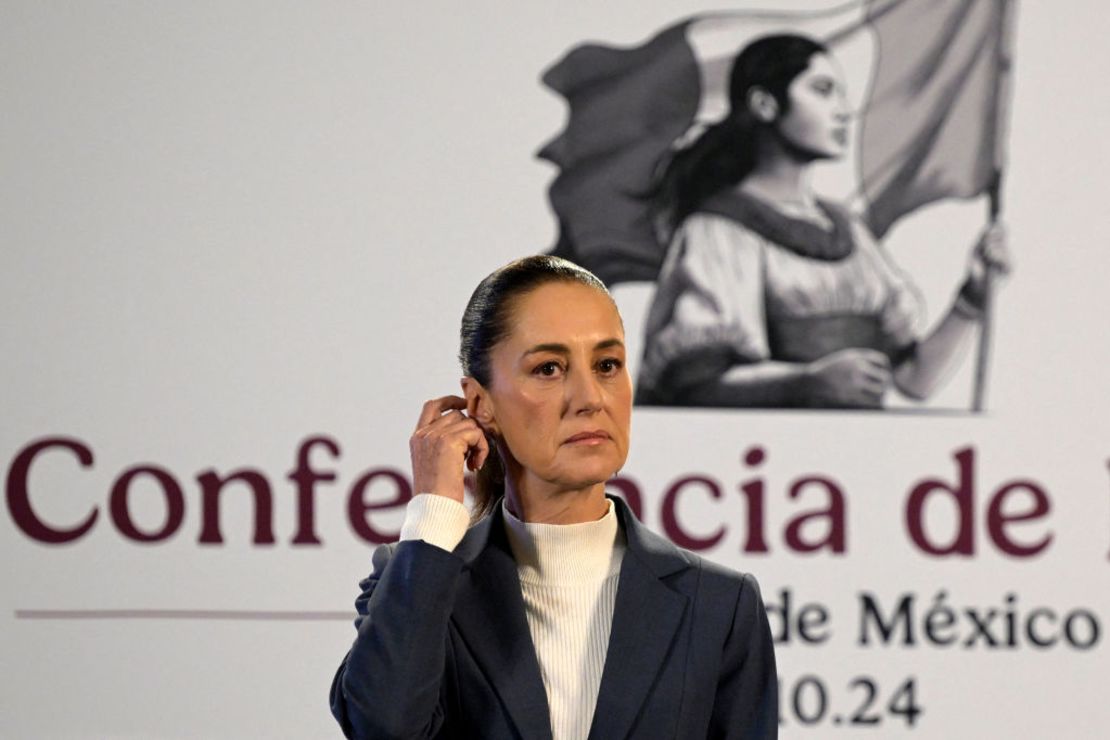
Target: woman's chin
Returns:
[586, 476]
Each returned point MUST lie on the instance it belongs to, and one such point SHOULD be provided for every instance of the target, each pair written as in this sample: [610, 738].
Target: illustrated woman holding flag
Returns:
[770, 296]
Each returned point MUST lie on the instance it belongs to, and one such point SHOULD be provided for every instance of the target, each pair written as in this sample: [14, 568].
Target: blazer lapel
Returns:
[646, 618]
[490, 616]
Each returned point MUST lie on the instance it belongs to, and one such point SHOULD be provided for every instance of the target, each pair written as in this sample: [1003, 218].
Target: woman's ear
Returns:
[478, 406]
[762, 105]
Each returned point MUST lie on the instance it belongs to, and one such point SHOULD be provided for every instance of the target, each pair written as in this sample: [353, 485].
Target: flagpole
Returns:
[994, 203]
[986, 322]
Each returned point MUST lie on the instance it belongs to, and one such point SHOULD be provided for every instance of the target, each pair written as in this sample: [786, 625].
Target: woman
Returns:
[557, 615]
[770, 296]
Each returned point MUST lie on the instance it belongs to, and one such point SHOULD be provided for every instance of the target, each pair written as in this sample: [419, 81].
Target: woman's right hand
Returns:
[849, 377]
[444, 441]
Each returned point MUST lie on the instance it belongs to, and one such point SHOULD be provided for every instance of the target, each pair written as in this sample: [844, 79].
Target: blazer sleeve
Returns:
[391, 683]
[747, 705]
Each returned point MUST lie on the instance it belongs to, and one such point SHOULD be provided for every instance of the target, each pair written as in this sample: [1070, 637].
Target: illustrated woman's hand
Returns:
[444, 441]
[850, 377]
[990, 255]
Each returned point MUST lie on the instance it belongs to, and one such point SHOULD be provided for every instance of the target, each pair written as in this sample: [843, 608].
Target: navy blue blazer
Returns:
[443, 649]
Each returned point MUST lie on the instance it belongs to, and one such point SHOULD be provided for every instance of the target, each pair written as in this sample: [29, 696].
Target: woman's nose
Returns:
[584, 393]
[844, 112]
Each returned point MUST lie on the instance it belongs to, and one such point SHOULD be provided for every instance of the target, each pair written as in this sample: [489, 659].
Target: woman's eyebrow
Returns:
[549, 347]
[563, 349]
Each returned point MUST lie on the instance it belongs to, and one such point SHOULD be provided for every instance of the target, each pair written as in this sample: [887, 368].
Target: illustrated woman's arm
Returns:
[939, 353]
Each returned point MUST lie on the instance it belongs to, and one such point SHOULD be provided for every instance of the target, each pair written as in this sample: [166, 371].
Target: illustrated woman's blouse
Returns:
[744, 282]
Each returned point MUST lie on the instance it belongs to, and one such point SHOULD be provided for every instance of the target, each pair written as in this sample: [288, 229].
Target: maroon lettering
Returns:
[670, 517]
[19, 497]
[121, 513]
[358, 507]
[210, 486]
[998, 519]
[962, 494]
[835, 536]
[753, 492]
[305, 478]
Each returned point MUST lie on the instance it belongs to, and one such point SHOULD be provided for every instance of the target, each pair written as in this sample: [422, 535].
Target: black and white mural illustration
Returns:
[750, 165]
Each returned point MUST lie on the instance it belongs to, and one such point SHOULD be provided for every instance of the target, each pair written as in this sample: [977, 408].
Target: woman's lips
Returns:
[587, 438]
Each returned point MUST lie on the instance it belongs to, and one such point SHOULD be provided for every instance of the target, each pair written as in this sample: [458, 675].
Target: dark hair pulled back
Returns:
[487, 320]
[725, 152]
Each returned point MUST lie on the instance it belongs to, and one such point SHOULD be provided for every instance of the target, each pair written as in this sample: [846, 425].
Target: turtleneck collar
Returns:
[566, 554]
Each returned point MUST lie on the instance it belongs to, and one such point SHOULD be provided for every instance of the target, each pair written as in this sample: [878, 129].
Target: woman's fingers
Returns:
[874, 359]
[997, 255]
[874, 385]
[875, 380]
[993, 249]
[441, 422]
[872, 369]
[452, 430]
[853, 376]
[436, 407]
[455, 423]
[478, 452]
[446, 440]
[873, 374]
[470, 434]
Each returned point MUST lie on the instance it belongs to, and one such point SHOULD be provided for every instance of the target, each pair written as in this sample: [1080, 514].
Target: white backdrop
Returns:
[228, 227]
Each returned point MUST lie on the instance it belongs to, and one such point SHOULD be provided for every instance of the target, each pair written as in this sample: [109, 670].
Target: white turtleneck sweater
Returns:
[568, 577]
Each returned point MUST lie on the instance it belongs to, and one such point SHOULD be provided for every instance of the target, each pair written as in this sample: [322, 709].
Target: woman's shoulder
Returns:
[704, 227]
[718, 243]
[665, 558]
[722, 578]
[710, 580]
[730, 595]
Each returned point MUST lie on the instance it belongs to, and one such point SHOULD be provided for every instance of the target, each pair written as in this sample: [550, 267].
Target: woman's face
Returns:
[560, 396]
[816, 121]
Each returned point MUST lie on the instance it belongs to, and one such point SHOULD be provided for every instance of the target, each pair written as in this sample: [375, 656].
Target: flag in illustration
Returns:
[932, 127]
[929, 79]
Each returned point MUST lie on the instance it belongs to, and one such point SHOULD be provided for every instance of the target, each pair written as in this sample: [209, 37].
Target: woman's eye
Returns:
[548, 369]
[609, 366]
